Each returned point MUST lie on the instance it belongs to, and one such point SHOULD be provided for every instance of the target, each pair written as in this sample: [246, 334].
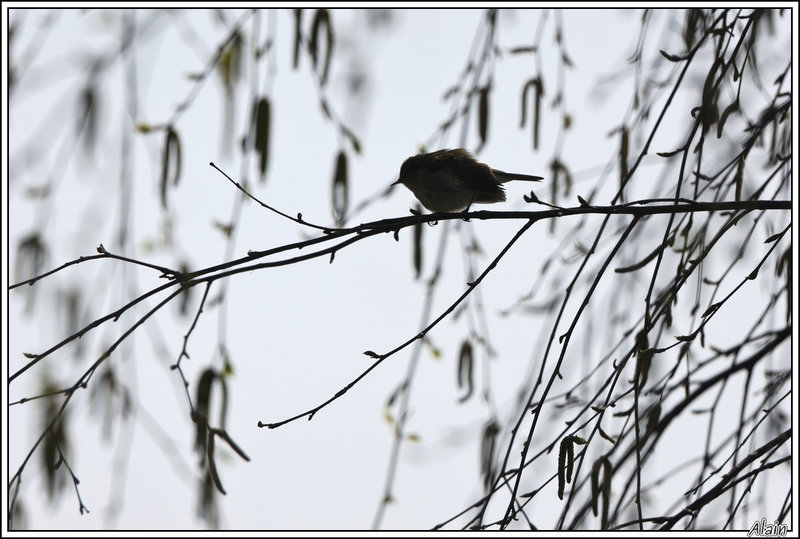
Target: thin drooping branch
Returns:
[380, 358]
[84, 380]
[537, 410]
[732, 477]
[103, 254]
[266, 206]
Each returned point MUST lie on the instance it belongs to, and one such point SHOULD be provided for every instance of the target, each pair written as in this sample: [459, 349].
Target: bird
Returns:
[450, 181]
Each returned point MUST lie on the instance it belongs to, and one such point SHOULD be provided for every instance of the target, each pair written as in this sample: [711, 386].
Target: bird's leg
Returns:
[466, 210]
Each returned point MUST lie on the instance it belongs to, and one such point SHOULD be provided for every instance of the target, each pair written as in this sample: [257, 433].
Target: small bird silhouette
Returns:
[450, 181]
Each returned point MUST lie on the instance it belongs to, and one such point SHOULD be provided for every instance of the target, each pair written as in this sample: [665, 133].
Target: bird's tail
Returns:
[504, 177]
